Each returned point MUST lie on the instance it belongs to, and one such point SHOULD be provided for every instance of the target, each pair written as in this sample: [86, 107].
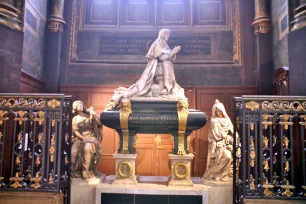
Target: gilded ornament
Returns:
[66, 159]
[54, 103]
[37, 161]
[180, 170]
[19, 137]
[2, 113]
[41, 118]
[1, 135]
[286, 142]
[252, 106]
[1, 179]
[252, 152]
[265, 122]
[288, 189]
[125, 111]
[275, 177]
[39, 138]
[284, 122]
[21, 118]
[252, 184]
[36, 181]
[274, 140]
[17, 161]
[301, 123]
[16, 181]
[124, 169]
[265, 141]
[52, 148]
[252, 125]
[267, 187]
[52, 123]
[266, 165]
[287, 166]
[238, 122]
[182, 112]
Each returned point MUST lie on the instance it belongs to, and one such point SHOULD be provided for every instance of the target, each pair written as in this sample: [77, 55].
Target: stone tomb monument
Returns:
[155, 104]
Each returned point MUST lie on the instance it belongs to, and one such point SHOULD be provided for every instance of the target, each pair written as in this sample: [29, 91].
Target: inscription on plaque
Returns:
[140, 45]
[157, 120]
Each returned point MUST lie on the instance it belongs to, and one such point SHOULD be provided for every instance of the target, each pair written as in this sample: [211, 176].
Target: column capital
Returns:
[56, 20]
[10, 16]
[262, 22]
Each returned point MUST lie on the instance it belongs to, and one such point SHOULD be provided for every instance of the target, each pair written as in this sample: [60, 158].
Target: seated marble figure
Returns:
[220, 145]
[158, 79]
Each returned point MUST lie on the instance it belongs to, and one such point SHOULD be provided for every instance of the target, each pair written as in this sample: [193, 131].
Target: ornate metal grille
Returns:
[270, 148]
[35, 142]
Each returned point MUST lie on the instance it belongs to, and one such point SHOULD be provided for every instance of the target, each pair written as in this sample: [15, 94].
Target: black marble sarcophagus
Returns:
[153, 116]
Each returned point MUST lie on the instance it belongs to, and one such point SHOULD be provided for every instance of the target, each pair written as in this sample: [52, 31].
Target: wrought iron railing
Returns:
[270, 153]
[35, 146]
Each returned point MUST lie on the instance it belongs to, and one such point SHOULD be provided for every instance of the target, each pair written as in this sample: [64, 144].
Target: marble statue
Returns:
[86, 141]
[158, 79]
[220, 144]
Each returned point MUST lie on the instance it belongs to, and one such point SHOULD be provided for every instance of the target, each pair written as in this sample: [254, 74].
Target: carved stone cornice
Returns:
[300, 16]
[262, 21]
[56, 20]
[10, 16]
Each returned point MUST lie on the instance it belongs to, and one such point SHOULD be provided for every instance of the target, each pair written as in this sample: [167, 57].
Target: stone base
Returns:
[84, 191]
[217, 183]
[125, 169]
[157, 185]
[180, 170]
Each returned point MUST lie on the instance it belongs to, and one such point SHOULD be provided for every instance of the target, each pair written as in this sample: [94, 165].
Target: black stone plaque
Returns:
[140, 45]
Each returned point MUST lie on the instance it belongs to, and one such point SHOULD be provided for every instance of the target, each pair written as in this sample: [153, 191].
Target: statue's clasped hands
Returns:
[176, 49]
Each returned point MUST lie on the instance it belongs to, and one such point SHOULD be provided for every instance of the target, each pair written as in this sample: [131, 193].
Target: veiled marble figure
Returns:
[86, 142]
[220, 144]
[158, 78]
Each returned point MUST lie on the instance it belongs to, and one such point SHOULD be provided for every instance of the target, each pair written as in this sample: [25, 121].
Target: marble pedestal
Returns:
[84, 191]
[125, 168]
[180, 170]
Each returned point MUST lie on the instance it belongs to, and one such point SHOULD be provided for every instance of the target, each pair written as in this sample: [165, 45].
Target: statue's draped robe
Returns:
[159, 54]
[219, 157]
[89, 128]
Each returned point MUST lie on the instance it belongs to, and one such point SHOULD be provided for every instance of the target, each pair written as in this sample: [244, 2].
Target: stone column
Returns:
[11, 46]
[53, 50]
[300, 16]
[262, 25]
[11, 14]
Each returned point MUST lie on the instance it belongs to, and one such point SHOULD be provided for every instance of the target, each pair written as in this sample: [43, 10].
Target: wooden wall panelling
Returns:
[153, 149]
[30, 84]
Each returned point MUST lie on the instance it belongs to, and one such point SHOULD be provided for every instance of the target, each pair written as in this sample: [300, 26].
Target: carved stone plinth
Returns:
[125, 169]
[180, 170]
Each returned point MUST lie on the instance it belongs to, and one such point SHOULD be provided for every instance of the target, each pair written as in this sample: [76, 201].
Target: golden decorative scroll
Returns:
[284, 106]
[40, 138]
[180, 170]
[287, 166]
[252, 106]
[182, 112]
[125, 111]
[54, 103]
[124, 169]
[17, 160]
